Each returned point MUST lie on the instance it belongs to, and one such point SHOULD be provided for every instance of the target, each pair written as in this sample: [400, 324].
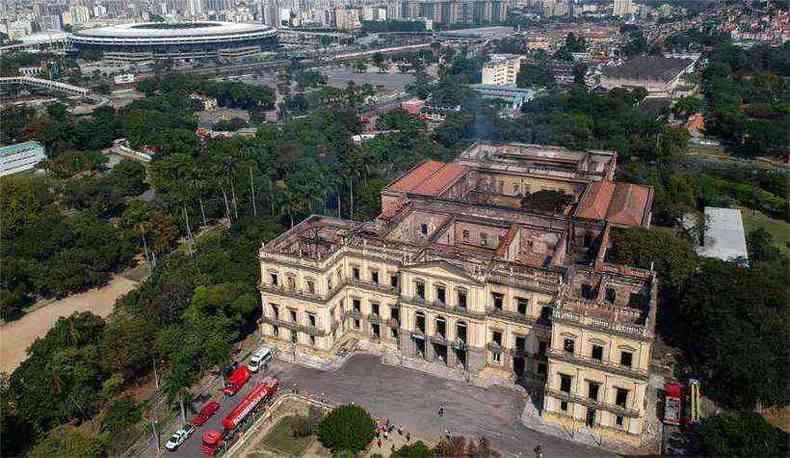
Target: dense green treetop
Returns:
[347, 427]
[741, 435]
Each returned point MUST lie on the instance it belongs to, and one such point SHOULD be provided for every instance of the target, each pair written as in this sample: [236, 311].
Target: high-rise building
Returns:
[394, 10]
[554, 8]
[623, 8]
[271, 13]
[194, 8]
[79, 14]
[455, 11]
[347, 19]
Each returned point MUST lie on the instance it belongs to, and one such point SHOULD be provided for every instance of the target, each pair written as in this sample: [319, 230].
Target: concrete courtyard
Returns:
[412, 399]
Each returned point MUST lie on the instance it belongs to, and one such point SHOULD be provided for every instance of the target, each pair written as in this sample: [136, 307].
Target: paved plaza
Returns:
[412, 399]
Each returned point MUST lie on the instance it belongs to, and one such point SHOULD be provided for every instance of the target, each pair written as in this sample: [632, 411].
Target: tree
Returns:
[125, 346]
[415, 450]
[24, 200]
[761, 247]
[687, 106]
[637, 44]
[347, 427]
[579, 74]
[232, 300]
[121, 414]
[672, 256]
[535, 75]
[380, 62]
[70, 442]
[128, 177]
[61, 379]
[177, 383]
[421, 86]
[741, 434]
[722, 316]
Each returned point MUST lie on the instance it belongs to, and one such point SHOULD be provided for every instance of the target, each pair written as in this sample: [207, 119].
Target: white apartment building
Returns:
[501, 70]
[20, 157]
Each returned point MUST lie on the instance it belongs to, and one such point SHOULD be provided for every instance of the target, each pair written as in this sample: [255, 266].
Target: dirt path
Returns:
[16, 336]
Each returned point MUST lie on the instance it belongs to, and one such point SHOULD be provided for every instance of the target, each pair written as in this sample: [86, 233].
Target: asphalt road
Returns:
[412, 399]
[191, 447]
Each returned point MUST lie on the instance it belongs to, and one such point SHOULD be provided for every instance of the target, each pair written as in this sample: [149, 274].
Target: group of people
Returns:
[383, 430]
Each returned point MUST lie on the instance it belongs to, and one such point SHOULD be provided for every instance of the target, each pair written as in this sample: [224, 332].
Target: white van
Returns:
[260, 358]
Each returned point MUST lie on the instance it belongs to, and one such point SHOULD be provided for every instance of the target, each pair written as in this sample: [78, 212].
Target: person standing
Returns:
[538, 452]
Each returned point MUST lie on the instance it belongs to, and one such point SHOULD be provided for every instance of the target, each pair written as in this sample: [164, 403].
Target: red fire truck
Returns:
[682, 403]
[237, 379]
[672, 406]
[213, 439]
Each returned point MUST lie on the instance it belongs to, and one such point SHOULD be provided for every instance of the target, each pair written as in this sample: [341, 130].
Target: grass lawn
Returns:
[780, 230]
[281, 439]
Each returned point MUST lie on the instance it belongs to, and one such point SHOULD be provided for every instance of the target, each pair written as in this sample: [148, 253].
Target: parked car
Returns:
[260, 358]
[205, 413]
[179, 437]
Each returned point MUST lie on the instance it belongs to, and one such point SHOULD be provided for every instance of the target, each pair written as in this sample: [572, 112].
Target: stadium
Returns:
[178, 41]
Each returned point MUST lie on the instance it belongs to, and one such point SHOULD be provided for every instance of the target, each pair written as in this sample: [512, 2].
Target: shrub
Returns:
[301, 426]
[314, 417]
[347, 427]
[415, 450]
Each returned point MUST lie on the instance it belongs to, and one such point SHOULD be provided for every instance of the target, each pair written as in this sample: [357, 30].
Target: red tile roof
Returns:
[618, 203]
[415, 176]
[596, 200]
[441, 180]
[429, 178]
[629, 204]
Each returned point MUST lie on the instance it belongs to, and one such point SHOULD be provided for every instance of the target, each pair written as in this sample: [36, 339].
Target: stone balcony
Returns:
[372, 286]
[312, 296]
[517, 317]
[607, 366]
[294, 326]
[292, 292]
[441, 307]
[588, 402]
[374, 318]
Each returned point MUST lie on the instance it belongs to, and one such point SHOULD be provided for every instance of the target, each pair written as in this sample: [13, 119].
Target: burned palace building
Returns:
[489, 268]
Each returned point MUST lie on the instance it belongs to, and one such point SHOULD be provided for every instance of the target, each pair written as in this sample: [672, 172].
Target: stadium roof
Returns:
[172, 30]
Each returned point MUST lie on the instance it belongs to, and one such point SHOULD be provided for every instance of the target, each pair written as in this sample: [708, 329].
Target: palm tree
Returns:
[176, 387]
